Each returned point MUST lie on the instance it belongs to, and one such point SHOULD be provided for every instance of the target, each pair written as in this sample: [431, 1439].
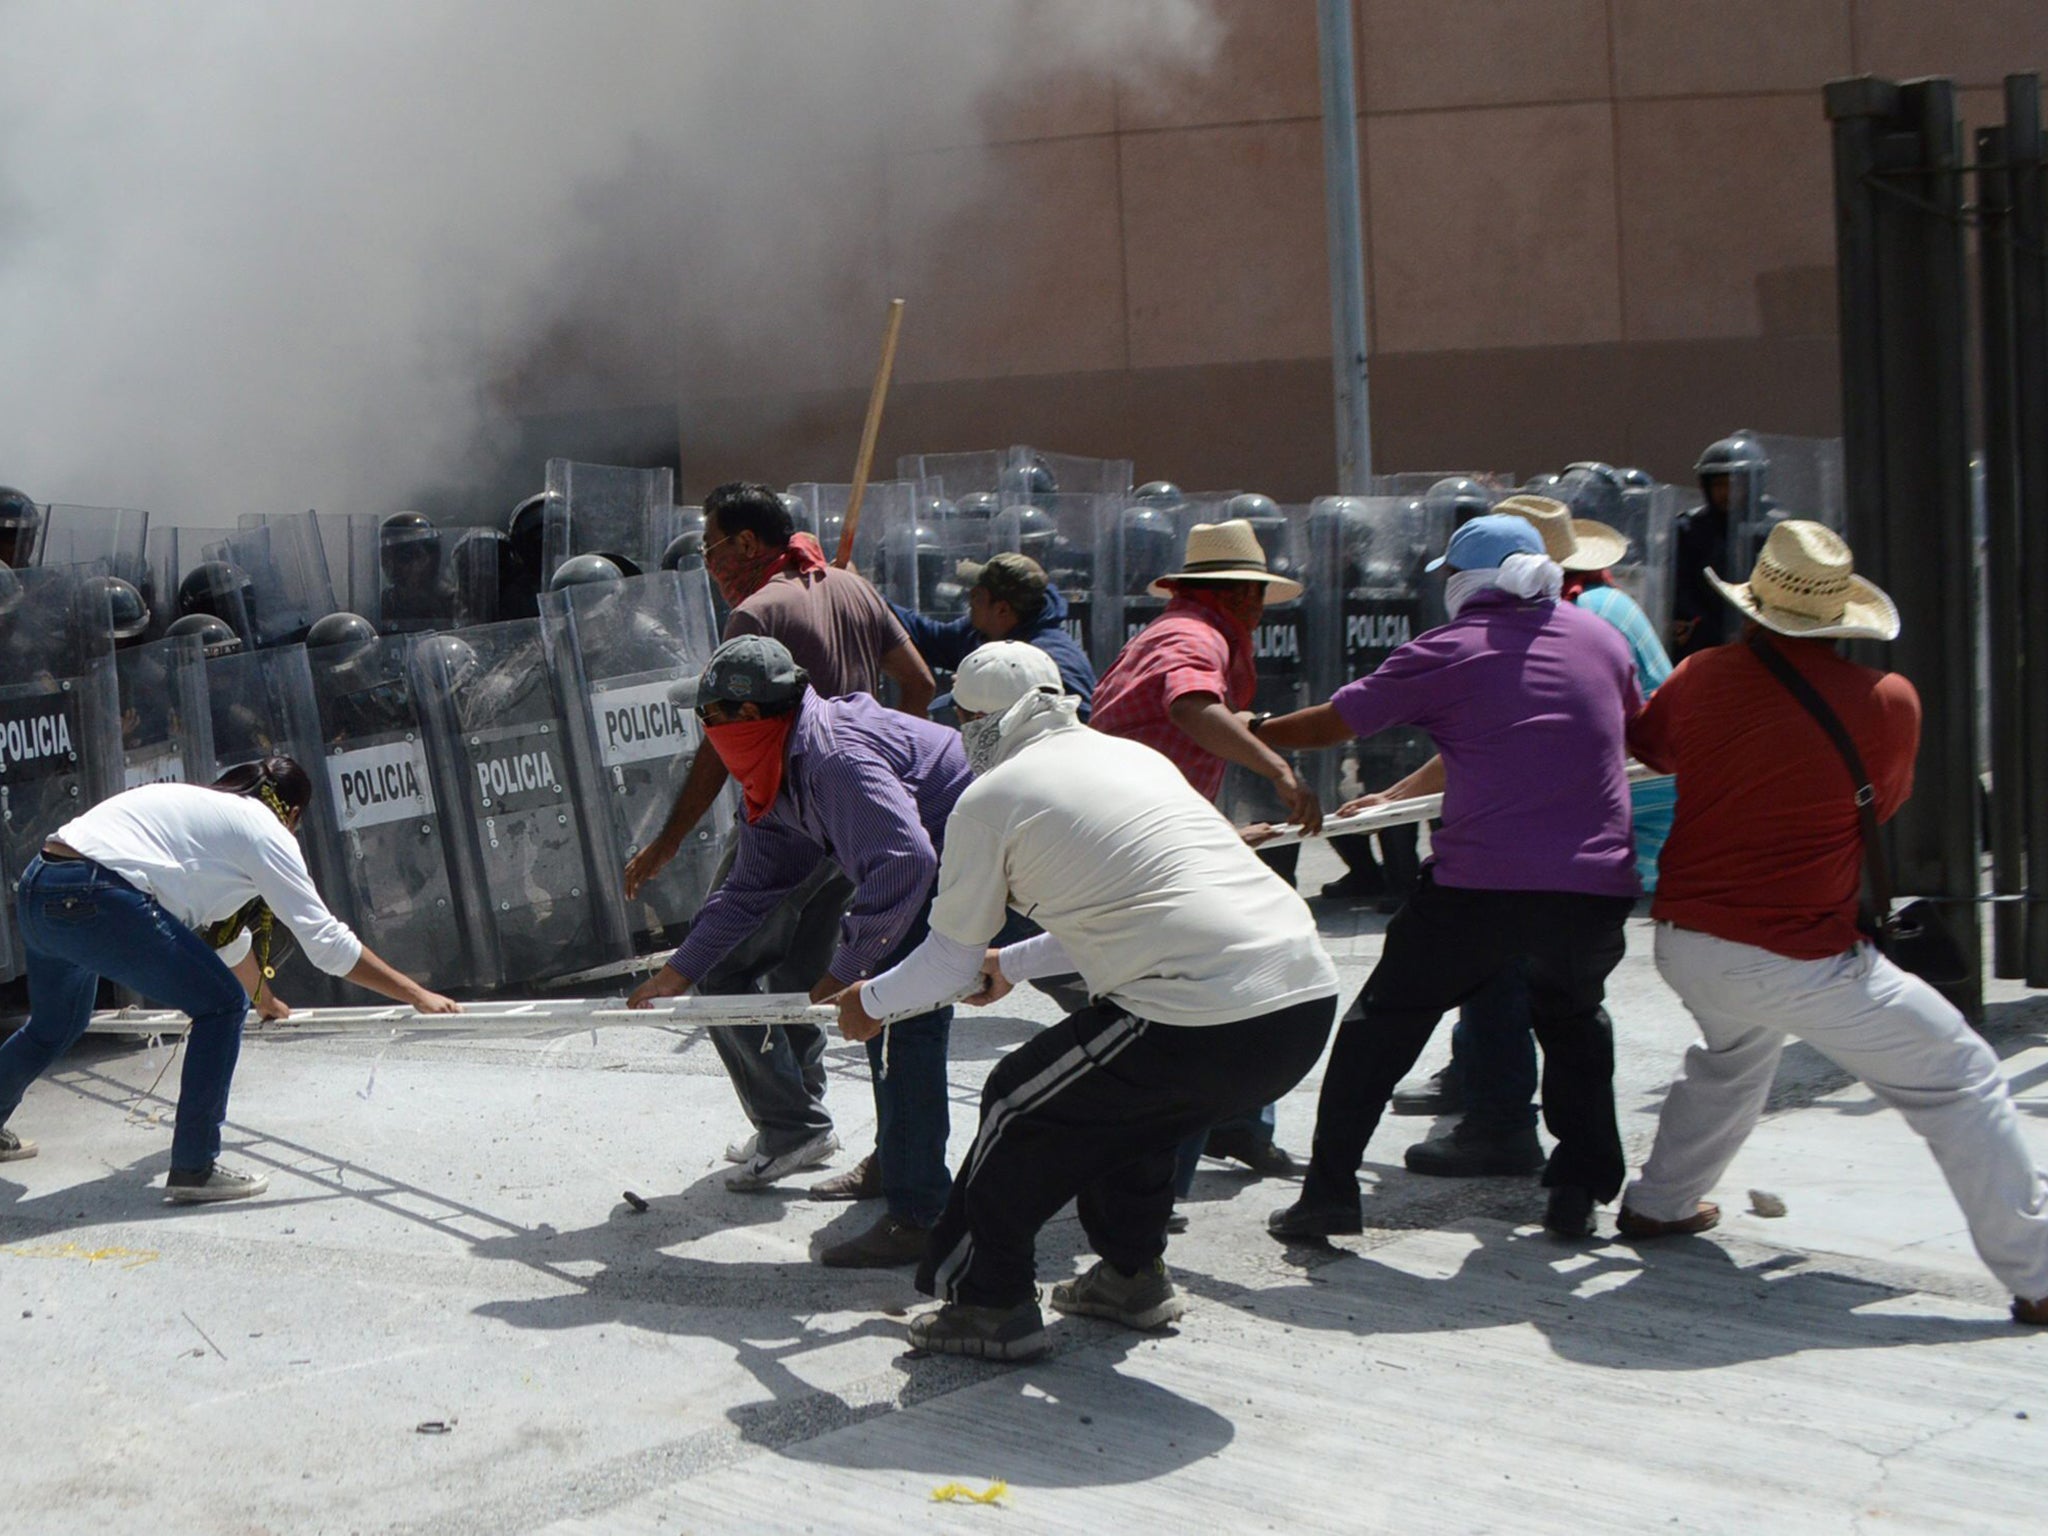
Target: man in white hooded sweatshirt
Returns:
[1210, 992]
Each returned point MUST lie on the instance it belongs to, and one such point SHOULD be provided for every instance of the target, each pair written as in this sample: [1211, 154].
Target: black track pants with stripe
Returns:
[1093, 1110]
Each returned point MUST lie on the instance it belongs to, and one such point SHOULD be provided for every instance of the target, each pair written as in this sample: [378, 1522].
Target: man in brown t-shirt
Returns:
[777, 583]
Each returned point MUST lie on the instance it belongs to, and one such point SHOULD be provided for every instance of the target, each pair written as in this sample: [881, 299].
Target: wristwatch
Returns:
[1253, 725]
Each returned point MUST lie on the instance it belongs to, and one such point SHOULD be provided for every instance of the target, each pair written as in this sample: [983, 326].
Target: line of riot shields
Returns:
[488, 707]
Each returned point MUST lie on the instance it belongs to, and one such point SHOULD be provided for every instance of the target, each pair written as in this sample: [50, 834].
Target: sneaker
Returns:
[743, 1151]
[12, 1148]
[1569, 1212]
[1316, 1215]
[1266, 1158]
[863, 1181]
[2033, 1313]
[987, 1333]
[889, 1244]
[205, 1186]
[1637, 1228]
[1145, 1301]
[1442, 1094]
[762, 1170]
[1474, 1151]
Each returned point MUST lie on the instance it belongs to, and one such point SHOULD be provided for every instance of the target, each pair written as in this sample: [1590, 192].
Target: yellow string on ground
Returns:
[948, 1493]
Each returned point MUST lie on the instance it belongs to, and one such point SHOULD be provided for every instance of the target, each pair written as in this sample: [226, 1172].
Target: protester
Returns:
[1211, 995]
[1493, 1055]
[1527, 699]
[1757, 911]
[1009, 597]
[869, 789]
[1183, 686]
[777, 583]
[173, 890]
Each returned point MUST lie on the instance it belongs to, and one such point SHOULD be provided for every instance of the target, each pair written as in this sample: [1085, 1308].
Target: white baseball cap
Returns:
[996, 675]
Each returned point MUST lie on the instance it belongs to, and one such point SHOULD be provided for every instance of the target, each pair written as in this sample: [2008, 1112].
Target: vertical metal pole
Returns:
[1347, 248]
[2029, 167]
[1859, 110]
[2004, 591]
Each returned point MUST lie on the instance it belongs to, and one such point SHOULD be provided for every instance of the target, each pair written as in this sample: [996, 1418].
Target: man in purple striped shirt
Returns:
[869, 788]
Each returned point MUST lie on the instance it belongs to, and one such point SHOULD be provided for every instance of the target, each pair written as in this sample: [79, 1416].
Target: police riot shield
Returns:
[622, 647]
[885, 504]
[1145, 542]
[285, 586]
[526, 838]
[166, 722]
[260, 703]
[394, 880]
[1648, 517]
[1065, 535]
[1032, 473]
[922, 544]
[955, 476]
[1806, 479]
[1284, 649]
[348, 541]
[171, 554]
[604, 509]
[1370, 596]
[109, 540]
[1415, 482]
[59, 724]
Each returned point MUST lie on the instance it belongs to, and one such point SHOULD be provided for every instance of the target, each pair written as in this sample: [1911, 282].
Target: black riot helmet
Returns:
[1457, 499]
[340, 639]
[685, 551]
[1149, 539]
[1026, 529]
[1158, 493]
[19, 519]
[919, 549]
[1737, 462]
[1039, 480]
[447, 664]
[213, 634]
[1637, 480]
[222, 590]
[585, 570]
[1252, 507]
[409, 548]
[1591, 491]
[1541, 485]
[527, 525]
[984, 504]
[125, 613]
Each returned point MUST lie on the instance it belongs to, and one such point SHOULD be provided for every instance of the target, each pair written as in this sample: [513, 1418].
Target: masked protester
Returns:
[1211, 995]
[178, 891]
[848, 782]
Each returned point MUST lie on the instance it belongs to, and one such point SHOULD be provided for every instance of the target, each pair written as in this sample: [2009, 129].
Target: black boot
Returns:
[1472, 1151]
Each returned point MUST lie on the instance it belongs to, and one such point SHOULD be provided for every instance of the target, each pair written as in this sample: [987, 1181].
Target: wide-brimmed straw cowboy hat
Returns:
[1576, 543]
[1226, 552]
[1805, 584]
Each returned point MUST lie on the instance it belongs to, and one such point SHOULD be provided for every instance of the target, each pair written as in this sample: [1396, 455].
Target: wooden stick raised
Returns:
[868, 433]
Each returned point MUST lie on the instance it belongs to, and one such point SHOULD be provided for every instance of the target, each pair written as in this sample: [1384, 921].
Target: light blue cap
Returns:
[1484, 542]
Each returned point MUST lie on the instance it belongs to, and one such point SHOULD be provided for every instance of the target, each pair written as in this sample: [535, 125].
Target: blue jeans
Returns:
[1495, 1052]
[81, 922]
[913, 1112]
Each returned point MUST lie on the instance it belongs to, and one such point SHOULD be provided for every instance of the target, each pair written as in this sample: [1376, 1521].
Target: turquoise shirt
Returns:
[1651, 806]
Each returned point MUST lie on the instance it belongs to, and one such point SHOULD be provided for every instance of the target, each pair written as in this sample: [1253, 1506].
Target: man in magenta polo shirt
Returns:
[1528, 700]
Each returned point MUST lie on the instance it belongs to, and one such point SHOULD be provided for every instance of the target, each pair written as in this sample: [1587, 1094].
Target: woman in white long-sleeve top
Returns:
[172, 890]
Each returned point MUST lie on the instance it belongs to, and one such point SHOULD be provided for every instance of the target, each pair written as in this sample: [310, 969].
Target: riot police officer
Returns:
[219, 589]
[1731, 473]
[416, 596]
[19, 519]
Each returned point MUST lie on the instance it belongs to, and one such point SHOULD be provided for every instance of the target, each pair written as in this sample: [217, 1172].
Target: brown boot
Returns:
[2034, 1313]
[888, 1244]
[1636, 1228]
[863, 1181]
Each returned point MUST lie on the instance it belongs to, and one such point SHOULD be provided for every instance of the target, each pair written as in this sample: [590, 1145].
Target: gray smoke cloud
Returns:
[259, 255]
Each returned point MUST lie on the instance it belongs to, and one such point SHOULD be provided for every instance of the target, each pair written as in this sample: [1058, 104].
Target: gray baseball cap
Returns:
[751, 669]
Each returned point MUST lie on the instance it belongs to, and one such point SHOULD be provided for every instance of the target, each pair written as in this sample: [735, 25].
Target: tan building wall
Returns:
[1595, 228]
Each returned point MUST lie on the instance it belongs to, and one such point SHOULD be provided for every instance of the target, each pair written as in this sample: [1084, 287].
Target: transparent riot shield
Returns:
[166, 722]
[348, 541]
[110, 540]
[1065, 535]
[1284, 649]
[260, 703]
[1370, 596]
[1649, 517]
[922, 546]
[954, 476]
[604, 509]
[526, 837]
[1145, 542]
[59, 723]
[480, 566]
[885, 504]
[1032, 473]
[171, 554]
[284, 566]
[394, 876]
[1806, 478]
[1414, 482]
[622, 647]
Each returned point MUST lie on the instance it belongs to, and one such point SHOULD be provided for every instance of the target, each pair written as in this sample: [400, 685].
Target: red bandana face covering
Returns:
[752, 753]
[739, 577]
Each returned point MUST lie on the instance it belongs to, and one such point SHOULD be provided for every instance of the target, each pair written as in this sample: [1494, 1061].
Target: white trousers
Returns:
[1887, 1027]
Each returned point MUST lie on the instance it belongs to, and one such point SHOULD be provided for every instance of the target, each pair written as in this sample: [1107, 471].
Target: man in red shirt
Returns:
[1756, 909]
[1183, 686]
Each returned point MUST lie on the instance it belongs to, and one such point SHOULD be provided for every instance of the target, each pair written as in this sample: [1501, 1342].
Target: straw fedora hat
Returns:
[1576, 543]
[1226, 552]
[1804, 584]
